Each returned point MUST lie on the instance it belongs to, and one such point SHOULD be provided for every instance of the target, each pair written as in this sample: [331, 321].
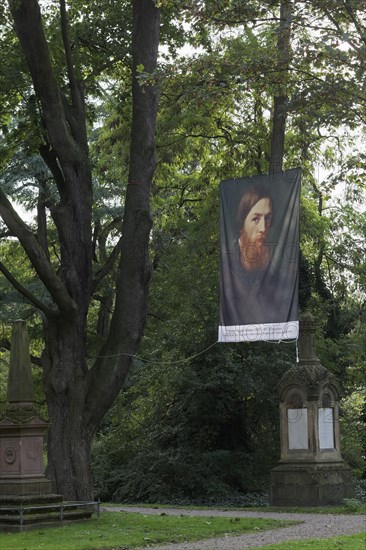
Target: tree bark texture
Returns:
[130, 312]
[280, 100]
[78, 397]
[69, 437]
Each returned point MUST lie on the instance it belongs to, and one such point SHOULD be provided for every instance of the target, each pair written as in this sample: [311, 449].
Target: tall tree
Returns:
[280, 97]
[78, 396]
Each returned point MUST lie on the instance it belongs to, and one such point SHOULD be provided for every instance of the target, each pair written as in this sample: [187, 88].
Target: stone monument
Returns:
[311, 471]
[26, 496]
[21, 430]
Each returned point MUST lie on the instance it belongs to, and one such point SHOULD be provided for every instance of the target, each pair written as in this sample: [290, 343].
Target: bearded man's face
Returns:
[254, 250]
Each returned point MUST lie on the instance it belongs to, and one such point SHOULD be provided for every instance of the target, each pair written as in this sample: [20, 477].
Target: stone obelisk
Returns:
[26, 497]
[22, 432]
[20, 381]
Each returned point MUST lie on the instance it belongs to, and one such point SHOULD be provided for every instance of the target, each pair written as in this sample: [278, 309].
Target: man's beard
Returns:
[254, 255]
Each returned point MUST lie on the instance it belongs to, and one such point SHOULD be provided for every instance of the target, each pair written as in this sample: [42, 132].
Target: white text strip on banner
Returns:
[252, 333]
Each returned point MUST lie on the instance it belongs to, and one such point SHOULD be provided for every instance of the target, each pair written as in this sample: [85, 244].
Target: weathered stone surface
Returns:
[26, 498]
[307, 349]
[296, 484]
[32, 511]
[22, 433]
[18, 488]
[311, 471]
[21, 447]
[20, 381]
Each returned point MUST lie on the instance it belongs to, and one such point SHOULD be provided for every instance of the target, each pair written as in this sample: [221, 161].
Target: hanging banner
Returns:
[259, 233]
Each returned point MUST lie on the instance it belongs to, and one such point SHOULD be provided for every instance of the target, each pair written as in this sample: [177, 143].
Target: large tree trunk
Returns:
[78, 397]
[69, 437]
[128, 320]
[280, 99]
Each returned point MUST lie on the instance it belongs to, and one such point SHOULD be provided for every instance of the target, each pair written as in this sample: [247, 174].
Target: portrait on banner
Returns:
[259, 236]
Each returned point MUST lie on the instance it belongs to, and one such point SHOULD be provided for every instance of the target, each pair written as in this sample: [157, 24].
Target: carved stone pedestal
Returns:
[23, 484]
[26, 497]
[21, 453]
[304, 484]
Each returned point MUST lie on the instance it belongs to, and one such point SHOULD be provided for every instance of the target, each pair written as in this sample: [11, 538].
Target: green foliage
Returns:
[202, 433]
[360, 491]
[201, 477]
[353, 430]
[3, 377]
[352, 504]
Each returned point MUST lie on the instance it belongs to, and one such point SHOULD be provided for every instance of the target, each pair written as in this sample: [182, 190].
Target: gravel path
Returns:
[312, 526]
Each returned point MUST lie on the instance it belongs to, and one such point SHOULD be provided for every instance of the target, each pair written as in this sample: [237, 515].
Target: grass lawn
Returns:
[122, 530]
[349, 542]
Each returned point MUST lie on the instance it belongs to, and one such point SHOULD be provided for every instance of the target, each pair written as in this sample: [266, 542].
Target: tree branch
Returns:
[75, 115]
[70, 67]
[36, 256]
[50, 159]
[107, 268]
[360, 29]
[280, 99]
[29, 29]
[107, 375]
[42, 219]
[184, 136]
[28, 295]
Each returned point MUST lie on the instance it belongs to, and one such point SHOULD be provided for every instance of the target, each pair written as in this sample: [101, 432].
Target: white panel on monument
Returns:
[326, 431]
[297, 421]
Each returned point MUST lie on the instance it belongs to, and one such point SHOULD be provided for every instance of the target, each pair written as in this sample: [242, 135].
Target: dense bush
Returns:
[211, 477]
[207, 432]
